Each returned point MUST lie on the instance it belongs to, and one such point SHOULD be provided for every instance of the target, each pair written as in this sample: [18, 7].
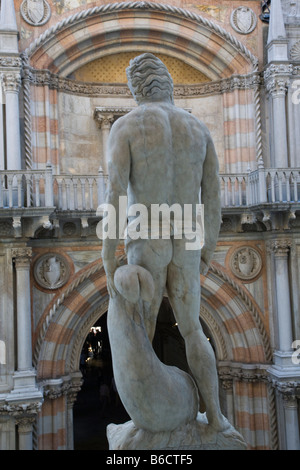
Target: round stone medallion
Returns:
[51, 271]
[243, 20]
[246, 263]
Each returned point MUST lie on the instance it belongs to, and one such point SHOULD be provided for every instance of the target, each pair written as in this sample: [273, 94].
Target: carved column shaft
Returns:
[291, 419]
[277, 81]
[22, 258]
[11, 84]
[281, 250]
[105, 122]
[25, 432]
[278, 92]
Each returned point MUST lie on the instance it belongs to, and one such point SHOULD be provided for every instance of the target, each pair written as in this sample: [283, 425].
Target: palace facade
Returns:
[236, 66]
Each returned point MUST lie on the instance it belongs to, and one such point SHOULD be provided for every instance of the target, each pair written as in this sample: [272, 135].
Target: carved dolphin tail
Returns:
[157, 397]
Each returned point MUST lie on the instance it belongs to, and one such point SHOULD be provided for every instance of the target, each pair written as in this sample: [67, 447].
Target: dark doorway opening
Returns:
[97, 403]
[92, 413]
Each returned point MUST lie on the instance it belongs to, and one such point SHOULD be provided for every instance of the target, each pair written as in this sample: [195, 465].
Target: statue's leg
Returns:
[183, 286]
[153, 255]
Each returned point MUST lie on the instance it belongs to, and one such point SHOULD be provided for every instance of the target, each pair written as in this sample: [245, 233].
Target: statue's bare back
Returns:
[167, 148]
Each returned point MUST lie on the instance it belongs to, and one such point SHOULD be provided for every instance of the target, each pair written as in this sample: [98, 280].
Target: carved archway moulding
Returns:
[66, 321]
[115, 27]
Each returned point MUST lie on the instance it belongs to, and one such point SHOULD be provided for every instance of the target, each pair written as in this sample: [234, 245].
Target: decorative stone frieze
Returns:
[242, 373]
[51, 271]
[278, 69]
[46, 78]
[9, 62]
[243, 20]
[20, 410]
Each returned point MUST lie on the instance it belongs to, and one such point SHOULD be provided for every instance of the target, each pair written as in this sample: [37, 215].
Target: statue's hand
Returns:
[203, 267]
[110, 266]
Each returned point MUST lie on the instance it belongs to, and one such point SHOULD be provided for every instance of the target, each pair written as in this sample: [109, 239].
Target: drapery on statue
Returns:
[158, 154]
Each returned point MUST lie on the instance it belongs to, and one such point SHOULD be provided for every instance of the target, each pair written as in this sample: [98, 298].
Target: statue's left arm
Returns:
[211, 199]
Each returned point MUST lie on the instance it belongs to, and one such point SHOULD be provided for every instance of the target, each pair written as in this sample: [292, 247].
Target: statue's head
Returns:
[149, 79]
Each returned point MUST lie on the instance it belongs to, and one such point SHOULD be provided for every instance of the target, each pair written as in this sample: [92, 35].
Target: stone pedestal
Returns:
[196, 435]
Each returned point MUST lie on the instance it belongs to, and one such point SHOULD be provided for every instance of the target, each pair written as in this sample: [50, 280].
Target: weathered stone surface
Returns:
[196, 435]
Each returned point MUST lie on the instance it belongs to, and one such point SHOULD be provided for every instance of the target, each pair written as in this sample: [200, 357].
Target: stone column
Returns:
[2, 151]
[291, 422]
[227, 385]
[11, 85]
[278, 89]
[22, 258]
[75, 386]
[105, 122]
[25, 432]
[281, 250]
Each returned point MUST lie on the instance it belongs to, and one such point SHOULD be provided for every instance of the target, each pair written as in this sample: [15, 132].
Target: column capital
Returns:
[21, 257]
[277, 78]
[280, 247]
[11, 81]
[104, 120]
[277, 86]
[25, 423]
[289, 400]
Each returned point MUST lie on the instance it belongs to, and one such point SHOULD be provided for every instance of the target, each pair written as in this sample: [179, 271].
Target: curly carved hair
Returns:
[148, 77]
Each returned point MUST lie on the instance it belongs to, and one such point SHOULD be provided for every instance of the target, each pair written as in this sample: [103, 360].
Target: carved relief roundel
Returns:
[35, 12]
[243, 20]
[51, 271]
[246, 263]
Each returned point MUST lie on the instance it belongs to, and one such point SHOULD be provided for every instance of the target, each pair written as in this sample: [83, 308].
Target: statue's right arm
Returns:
[118, 152]
[211, 199]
